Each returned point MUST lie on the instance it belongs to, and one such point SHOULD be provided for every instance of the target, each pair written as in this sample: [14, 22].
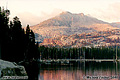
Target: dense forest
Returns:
[16, 44]
[78, 53]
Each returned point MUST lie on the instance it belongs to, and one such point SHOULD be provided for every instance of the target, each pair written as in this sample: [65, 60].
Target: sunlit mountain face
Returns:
[62, 29]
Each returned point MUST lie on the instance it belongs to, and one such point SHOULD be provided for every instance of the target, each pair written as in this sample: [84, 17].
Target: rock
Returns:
[11, 69]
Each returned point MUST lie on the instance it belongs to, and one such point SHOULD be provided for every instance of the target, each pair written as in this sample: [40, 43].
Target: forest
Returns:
[16, 44]
[78, 53]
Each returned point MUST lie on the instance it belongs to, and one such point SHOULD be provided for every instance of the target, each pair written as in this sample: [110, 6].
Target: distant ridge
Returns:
[70, 20]
[67, 23]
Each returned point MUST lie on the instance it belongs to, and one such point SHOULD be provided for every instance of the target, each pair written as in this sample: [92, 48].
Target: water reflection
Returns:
[81, 71]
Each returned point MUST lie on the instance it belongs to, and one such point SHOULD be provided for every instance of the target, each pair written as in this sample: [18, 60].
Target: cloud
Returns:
[27, 18]
[55, 12]
[109, 14]
[32, 19]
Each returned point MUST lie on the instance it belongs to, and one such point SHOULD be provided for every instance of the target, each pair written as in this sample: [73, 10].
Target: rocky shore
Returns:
[8, 69]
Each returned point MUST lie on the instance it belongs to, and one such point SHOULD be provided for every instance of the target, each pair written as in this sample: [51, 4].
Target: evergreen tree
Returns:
[16, 44]
[4, 32]
[31, 49]
[17, 40]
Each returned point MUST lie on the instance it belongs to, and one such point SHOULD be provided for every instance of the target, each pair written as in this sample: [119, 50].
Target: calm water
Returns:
[81, 71]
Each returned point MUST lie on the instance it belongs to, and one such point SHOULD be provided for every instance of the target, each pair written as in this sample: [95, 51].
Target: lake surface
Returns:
[81, 71]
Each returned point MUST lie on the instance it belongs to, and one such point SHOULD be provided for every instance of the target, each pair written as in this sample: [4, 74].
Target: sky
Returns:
[33, 12]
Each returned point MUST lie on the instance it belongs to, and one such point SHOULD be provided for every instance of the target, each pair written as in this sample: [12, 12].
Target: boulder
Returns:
[11, 69]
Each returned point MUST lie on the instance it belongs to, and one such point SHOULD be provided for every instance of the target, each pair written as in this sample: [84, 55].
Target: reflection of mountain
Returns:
[78, 72]
[68, 24]
[61, 75]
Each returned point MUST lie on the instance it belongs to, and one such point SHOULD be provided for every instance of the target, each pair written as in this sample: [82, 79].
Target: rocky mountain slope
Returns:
[115, 24]
[68, 24]
[94, 39]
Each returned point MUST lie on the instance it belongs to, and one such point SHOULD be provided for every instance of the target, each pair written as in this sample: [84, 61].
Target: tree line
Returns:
[16, 44]
[78, 53]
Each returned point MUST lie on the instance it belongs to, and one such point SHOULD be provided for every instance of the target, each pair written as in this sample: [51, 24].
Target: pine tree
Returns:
[16, 44]
[4, 32]
[17, 40]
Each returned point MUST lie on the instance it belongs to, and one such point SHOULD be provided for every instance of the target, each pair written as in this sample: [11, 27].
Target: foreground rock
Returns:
[11, 69]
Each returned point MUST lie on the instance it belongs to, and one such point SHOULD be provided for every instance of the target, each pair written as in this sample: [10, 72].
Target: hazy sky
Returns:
[34, 11]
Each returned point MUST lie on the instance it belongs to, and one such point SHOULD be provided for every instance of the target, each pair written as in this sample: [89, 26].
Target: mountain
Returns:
[116, 24]
[70, 20]
[68, 23]
[94, 39]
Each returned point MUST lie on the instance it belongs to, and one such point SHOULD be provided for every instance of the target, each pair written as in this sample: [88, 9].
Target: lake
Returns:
[81, 71]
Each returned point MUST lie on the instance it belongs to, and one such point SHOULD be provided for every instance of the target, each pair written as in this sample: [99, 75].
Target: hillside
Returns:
[67, 23]
[70, 20]
[94, 39]
[116, 24]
